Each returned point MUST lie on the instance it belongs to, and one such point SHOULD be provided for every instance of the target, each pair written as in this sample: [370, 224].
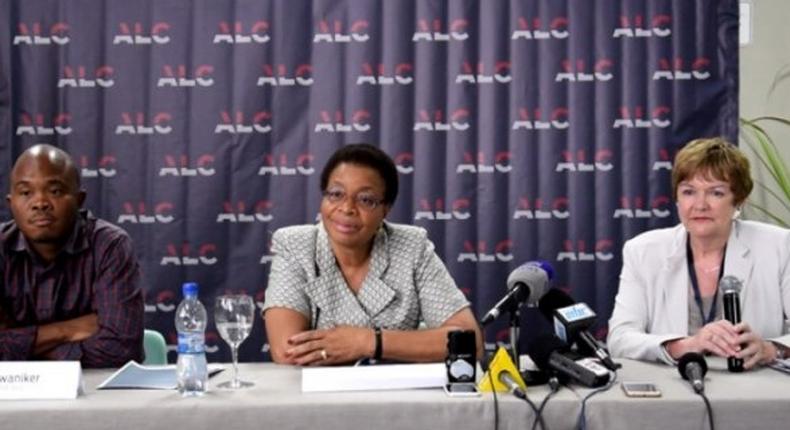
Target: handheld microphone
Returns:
[551, 354]
[506, 378]
[731, 288]
[692, 367]
[571, 321]
[525, 284]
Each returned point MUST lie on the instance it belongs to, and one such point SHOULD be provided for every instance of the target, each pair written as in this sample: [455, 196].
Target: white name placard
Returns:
[375, 377]
[22, 380]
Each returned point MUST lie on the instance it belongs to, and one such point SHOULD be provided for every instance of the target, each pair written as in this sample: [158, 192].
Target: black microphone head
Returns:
[691, 357]
[552, 300]
[730, 284]
[540, 349]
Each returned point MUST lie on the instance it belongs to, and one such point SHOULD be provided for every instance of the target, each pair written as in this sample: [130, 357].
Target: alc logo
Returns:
[180, 76]
[558, 119]
[479, 73]
[664, 160]
[135, 34]
[534, 208]
[472, 164]
[433, 31]
[635, 26]
[436, 211]
[635, 208]
[435, 121]
[302, 75]
[404, 162]
[185, 255]
[165, 302]
[236, 33]
[279, 165]
[579, 252]
[577, 161]
[327, 32]
[480, 253]
[557, 29]
[267, 256]
[104, 167]
[78, 77]
[677, 69]
[377, 74]
[36, 125]
[138, 213]
[135, 123]
[238, 212]
[635, 118]
[34, 34]
[359, 122]
[577, 71]
[176, 165]
[235, 124]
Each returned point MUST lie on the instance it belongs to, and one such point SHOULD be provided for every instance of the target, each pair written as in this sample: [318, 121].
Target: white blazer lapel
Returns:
[739, 261]
[674, 282]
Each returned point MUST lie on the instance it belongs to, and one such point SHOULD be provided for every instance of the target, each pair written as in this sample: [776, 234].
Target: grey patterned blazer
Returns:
[407, 282]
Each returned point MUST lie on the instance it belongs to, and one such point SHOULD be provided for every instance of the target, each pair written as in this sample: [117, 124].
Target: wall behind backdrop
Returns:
[521, 129]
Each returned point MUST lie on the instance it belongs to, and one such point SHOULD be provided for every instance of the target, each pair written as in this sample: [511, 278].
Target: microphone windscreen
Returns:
[540, 349]
[552, 300]
[535, 275]
[691, 357]
[730, 284]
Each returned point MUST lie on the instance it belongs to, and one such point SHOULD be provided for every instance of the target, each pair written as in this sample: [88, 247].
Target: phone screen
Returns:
[641, 389]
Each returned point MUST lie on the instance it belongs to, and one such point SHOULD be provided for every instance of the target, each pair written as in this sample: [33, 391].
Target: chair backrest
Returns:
[155, 347]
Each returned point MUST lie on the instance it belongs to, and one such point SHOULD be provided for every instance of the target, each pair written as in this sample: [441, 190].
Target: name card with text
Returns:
[22, 380]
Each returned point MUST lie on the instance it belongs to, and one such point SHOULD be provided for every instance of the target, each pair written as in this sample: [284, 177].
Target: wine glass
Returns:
[233, 315]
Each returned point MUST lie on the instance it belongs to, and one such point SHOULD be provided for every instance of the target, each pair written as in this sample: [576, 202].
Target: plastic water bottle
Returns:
[191, 319]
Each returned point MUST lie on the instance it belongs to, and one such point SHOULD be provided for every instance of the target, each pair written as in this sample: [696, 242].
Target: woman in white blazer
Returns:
[668, 301]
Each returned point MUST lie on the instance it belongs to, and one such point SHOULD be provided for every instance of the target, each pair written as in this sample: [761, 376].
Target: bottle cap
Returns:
[190, 289]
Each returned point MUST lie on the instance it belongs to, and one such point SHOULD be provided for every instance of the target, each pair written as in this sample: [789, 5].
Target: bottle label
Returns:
[191, 343]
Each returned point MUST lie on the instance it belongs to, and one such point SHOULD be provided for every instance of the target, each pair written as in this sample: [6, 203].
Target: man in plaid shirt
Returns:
[69, 282]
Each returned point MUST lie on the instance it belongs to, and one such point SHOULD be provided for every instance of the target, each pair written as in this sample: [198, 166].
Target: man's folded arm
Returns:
[119, 309]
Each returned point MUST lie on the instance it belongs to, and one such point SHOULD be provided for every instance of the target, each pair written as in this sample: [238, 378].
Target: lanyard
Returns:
[695, 285]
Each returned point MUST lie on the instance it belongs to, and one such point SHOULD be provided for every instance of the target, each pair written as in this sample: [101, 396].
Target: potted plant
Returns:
[753, 132]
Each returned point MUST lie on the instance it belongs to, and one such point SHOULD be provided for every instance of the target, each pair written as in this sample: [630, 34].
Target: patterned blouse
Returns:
[406, 283]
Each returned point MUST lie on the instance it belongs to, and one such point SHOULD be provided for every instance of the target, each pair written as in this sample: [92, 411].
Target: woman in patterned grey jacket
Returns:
[354, 286]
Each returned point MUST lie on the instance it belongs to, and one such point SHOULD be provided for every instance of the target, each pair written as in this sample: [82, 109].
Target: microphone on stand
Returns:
[731, 288]
[571, 321]
[526, 284]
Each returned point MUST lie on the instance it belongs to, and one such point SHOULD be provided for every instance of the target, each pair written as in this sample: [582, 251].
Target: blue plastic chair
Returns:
[155, 347]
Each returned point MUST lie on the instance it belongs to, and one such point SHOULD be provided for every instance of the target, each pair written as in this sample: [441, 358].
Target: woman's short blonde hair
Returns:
[714, 158]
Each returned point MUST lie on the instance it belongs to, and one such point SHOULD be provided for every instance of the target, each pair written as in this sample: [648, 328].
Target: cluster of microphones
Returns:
[571, 353]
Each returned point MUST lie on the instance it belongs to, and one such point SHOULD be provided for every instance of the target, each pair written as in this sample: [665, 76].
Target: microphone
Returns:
[551, 354]
[525, 284]
[571, 321]
[506, 378]
[692, 367]
[731, 288]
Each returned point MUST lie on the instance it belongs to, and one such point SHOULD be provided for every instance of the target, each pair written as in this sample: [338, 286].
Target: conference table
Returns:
[758, 399]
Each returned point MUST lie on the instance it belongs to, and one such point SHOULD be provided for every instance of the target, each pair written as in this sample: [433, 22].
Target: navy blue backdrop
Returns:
[521, 129]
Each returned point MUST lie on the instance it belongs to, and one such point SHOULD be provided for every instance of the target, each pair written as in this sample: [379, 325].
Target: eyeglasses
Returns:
[363, 201]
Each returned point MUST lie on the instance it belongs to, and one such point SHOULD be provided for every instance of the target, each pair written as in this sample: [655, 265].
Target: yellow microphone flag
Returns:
[498, 364]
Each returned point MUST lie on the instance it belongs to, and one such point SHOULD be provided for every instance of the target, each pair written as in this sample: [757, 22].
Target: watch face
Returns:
[461, 370]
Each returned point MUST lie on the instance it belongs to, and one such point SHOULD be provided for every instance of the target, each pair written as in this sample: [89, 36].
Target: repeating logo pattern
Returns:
[544, 130]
